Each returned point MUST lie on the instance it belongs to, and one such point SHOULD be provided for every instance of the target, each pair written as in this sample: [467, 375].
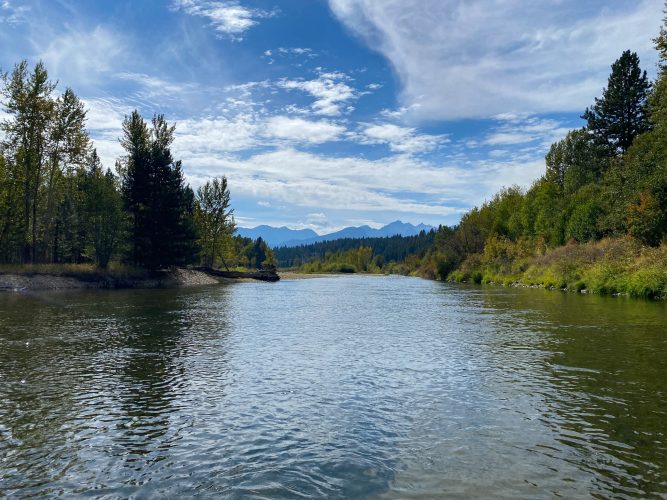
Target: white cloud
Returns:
[299, 51]
[229, 18]
[105, 114]
[153, 86]
[399, 139]
[11, 13]
[482, 57]
[513, 129]
[357, 185]
[104, 122]
[330, 90]
[316, 219]
[218, 134]
[298, 129]
[78, 57]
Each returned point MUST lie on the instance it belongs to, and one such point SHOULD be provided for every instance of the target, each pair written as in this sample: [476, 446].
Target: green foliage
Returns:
[548, 218]
[647, 220]
[161, 207]
[105, 219]
[620, 114]
[260, 256]
[582, 219]
[214, 219]
[351, 261]
[574, 162]
[608, 179]
[394, 249]
[57, 205]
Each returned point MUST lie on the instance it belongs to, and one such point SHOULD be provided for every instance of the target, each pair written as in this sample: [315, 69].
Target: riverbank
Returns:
[613, 266]
[44, 278]
[76, 277]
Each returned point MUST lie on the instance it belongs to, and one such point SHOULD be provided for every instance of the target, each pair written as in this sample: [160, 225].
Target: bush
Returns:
[346, 268]
[646, 283]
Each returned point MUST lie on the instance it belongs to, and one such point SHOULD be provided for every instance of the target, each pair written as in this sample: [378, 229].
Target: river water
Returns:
[341, 387]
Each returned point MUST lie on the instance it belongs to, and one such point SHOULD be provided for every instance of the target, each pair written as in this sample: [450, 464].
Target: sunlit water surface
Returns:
[335, 387]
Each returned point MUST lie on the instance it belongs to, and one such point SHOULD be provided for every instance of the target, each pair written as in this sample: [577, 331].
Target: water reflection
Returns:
[338, 387]
[601, 384]
[94, 381]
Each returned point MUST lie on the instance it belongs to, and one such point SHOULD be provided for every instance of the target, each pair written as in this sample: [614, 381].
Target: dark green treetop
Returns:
[620, 114]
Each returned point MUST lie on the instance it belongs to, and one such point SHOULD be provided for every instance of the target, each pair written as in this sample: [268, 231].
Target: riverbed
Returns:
[336, 387]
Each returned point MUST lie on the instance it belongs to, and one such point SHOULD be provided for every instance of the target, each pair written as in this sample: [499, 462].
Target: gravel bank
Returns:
[16, 282]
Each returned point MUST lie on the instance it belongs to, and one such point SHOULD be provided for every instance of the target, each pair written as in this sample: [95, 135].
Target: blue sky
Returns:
[324, 114]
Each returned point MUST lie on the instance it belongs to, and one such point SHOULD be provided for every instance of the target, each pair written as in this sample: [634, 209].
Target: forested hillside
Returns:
[603, 195]
[336, 253]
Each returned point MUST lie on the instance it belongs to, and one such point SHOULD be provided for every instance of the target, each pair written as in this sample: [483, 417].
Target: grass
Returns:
[607, 267]
[84, 272]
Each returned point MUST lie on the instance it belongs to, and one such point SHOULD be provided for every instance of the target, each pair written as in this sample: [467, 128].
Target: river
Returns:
[340, 387]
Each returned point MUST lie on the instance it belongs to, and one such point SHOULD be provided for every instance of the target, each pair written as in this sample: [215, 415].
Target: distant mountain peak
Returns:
[284, 236]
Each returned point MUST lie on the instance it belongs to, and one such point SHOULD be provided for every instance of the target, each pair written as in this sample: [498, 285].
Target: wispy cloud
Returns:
[78, 57]
[11, 13]
[482, 57]
[512, 129]
[356, 185]
[300, 130]
[399, 139]
[154, 86]
[229, 18]
[298, 51]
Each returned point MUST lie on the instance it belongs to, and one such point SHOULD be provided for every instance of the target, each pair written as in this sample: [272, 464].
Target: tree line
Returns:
[605, 180]
[59, 205]
[356, 254]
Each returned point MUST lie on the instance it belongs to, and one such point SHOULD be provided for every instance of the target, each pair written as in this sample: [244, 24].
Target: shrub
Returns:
[347, 268]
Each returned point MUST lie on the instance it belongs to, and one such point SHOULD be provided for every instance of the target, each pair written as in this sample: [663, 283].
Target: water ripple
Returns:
[343, 387]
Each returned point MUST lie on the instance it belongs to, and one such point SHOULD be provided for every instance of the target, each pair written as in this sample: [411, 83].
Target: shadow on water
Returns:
[339, 387]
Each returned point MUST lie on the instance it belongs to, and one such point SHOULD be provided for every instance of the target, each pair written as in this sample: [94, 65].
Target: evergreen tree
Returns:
[160, 205]
[258, 253]
[137, 184]
[621, 113]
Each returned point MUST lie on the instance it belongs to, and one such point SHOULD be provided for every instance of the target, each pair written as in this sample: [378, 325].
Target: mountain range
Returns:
[286, 237]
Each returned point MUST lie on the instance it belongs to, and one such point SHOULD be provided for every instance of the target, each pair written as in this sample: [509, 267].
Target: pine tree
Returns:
[160, 205]
[136, 184]
[621, 113]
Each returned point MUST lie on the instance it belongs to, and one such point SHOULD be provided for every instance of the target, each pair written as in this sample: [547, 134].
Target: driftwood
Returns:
[264, 275]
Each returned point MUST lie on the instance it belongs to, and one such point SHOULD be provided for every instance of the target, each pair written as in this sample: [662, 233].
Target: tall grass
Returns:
[606, 267]
[85, 272]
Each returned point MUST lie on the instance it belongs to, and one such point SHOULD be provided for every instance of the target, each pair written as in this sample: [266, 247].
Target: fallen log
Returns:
[263, 275]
